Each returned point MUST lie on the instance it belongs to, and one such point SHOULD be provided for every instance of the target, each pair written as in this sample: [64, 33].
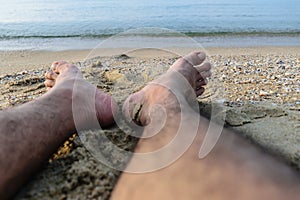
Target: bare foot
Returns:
[187, 77]
[167, 166]
[65, 81]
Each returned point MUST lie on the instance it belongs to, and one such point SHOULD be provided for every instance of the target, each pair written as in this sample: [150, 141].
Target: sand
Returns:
[15, 61]
[257, 88]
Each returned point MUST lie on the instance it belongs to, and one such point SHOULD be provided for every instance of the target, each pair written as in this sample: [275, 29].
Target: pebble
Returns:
[238, 78]
[270, 78]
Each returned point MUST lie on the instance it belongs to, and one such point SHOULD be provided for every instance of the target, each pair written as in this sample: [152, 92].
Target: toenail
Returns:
[202, 56]
[48, 73]
[53, 66]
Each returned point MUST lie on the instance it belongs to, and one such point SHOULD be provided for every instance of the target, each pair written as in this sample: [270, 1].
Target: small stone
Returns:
[114, 75]
[263, 93]
[63, 197]
[288, 73]
[280, 62]
[122, 57]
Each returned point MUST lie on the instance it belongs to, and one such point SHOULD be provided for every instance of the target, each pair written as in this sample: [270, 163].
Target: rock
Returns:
[278, 135]
[274, 111]
[288, 74]
[114, 75]
[236, 118]
[263, 93]
[254, 112]
[280, 62]
[294, 115]
[122, 57]
[97, 64]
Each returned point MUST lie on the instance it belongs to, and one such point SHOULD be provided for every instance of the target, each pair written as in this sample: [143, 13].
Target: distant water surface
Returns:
[85, 19]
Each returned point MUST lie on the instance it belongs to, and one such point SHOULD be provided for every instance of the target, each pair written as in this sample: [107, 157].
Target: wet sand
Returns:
[258, 89]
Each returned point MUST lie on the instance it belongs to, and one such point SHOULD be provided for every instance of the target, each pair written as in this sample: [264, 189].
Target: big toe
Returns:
[204, 72]
[206, 67]
[60, 67]
[191, 60]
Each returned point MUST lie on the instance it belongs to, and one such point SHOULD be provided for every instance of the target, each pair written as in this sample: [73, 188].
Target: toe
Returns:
[193, 59]
[62, 66]
[49, 83]
[204, 67]
[204, 71]
[200, 91]
[201, 82]
[204, 75]
[56, 65]
[51, 75]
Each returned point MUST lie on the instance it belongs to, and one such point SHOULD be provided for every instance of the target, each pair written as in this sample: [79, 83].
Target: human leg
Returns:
[235, 169]
[30, 133]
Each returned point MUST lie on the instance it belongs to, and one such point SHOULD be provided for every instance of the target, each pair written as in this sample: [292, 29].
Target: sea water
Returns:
[80, 24]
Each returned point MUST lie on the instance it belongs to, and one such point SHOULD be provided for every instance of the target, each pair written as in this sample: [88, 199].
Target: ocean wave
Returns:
[161, 34]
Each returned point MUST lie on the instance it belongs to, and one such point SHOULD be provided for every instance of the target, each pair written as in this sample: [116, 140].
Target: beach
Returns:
[267, 74]
[120, 45]
[257, 88]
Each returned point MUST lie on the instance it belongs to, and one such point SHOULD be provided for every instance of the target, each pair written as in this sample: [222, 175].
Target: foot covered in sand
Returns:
[186, 77]
[64, 80]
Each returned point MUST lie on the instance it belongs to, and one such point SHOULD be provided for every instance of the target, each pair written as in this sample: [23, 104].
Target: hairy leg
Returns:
[235, 169]
[30, 133]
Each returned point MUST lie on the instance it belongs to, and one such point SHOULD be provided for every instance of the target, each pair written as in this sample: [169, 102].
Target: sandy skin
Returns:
[235, 169]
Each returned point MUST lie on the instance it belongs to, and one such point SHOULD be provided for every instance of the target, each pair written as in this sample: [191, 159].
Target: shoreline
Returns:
[20, 60]
[65, 43]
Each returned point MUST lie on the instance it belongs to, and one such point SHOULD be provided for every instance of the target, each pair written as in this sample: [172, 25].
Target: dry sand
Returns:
[257, 88]
[15, 61]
